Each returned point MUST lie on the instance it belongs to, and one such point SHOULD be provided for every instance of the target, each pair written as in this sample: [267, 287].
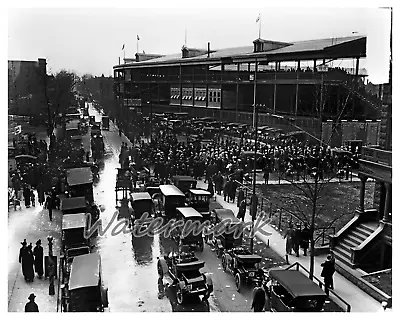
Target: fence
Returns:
[321, 284]
[281, 219]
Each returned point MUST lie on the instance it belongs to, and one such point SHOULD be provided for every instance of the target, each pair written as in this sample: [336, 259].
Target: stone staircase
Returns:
[352, 239]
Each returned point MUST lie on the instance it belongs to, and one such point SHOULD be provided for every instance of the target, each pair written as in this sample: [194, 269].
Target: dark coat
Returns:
[240, 197]
[31, 306]
[258, 300]
[27, 264]
[38, 253]
[328, 269]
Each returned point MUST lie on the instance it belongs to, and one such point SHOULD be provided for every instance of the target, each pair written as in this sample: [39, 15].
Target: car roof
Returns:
[183, 178]
[73, 203]
[200, 192]
[137, 196]
[73, 221]
[225, 214]
[85, 271]
[296, 283]
[189, 212]
[170, 190]
[76, 176]
[191, 265]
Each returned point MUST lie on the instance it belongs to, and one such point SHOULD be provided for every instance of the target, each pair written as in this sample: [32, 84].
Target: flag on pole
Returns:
[137, 36]
[259, 17]
[123, 47]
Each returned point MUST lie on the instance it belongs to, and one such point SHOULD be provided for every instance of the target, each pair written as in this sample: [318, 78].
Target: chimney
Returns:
[208, 50]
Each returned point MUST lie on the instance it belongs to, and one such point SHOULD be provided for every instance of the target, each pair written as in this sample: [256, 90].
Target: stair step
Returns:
[359, 235]
[369, 227]
[350, 242]
[345, 247]
[341, 258]
[342, 252]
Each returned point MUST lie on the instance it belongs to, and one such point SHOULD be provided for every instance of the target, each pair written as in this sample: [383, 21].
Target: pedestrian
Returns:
[240, 197]
[305, 238]
[266, 175]
[209, 286]
[227, 190]
[33, 200]
[38, 254]
[258, 299]
[296, 239]
[40, 191]
[49, 206]
[27, 196]
[31, 306]
[210, 187]
[289, 239]
[22, 252]
[27, 264]
[242, 210]
[328, 269]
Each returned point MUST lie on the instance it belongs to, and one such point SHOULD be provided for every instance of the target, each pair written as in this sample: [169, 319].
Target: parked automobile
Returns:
[243, 265]
[184, 269]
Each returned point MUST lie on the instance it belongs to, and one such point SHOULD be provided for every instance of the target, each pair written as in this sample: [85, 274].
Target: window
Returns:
[219, 94]
[211, 98]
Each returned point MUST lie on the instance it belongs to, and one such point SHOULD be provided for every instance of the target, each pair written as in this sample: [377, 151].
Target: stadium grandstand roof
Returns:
[353, 46]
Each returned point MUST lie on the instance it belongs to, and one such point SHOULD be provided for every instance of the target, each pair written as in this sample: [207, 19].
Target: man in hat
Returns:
[38, 254]
[296, 239]
[22, 252]
[27, 264]
[328, 269]
[31, 306]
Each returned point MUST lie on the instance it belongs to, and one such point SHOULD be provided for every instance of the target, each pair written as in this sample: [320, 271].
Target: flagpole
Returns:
[137, 45]
[259, 29]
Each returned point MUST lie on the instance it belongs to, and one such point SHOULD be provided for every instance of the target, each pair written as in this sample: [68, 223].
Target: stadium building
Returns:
[296, 80]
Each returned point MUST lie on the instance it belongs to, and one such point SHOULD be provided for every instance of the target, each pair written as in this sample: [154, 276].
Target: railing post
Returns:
[323, 237]
[270, 210]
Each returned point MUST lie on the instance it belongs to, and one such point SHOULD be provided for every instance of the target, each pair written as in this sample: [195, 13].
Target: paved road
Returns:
[129, 265]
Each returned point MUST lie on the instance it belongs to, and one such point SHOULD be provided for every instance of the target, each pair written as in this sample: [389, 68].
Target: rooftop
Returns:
[357, 44]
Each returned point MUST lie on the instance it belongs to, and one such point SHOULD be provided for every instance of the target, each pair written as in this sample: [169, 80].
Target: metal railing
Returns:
[282, 219]
[320, 284]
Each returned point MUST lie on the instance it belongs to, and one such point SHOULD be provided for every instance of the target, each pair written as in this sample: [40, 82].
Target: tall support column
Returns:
[363, 180]
[298, 65]
[180, 88]
[237, 92]
[275, 94]
[388, 199]
[357, 66]
[315, 65]
[297, 95]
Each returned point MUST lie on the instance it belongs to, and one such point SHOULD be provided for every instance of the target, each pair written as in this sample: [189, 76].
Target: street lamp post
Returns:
[254, 199]
[51, 267]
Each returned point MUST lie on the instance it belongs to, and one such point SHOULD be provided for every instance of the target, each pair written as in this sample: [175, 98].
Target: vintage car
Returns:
[105, 122]
[170, 199]
[184, 270]
[225, 239]
[95, 129]
[184, 183]
[199, 199]
[85, 291]
[80, 183]
[291, 290]
[73, 231]
[141, 202]
[243, 265]
[189, 214]
[123, 183]
[73, 205]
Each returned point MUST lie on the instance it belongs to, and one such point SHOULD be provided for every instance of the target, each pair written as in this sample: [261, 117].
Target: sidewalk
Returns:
[358, 299]
[31, 224]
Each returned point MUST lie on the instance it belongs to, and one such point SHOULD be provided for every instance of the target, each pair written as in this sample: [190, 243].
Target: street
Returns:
[130, 265]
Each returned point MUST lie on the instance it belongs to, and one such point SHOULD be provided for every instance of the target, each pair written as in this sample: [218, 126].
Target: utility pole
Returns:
[254, 199]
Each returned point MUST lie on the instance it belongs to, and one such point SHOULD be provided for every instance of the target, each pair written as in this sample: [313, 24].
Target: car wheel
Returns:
[179, 295]
[238, 282]
[224, 263]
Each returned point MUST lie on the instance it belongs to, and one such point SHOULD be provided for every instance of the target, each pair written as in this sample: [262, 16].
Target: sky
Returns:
[90, 40]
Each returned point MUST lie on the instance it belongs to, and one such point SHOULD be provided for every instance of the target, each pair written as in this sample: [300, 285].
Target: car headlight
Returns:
[189, 287]
[251, 274]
